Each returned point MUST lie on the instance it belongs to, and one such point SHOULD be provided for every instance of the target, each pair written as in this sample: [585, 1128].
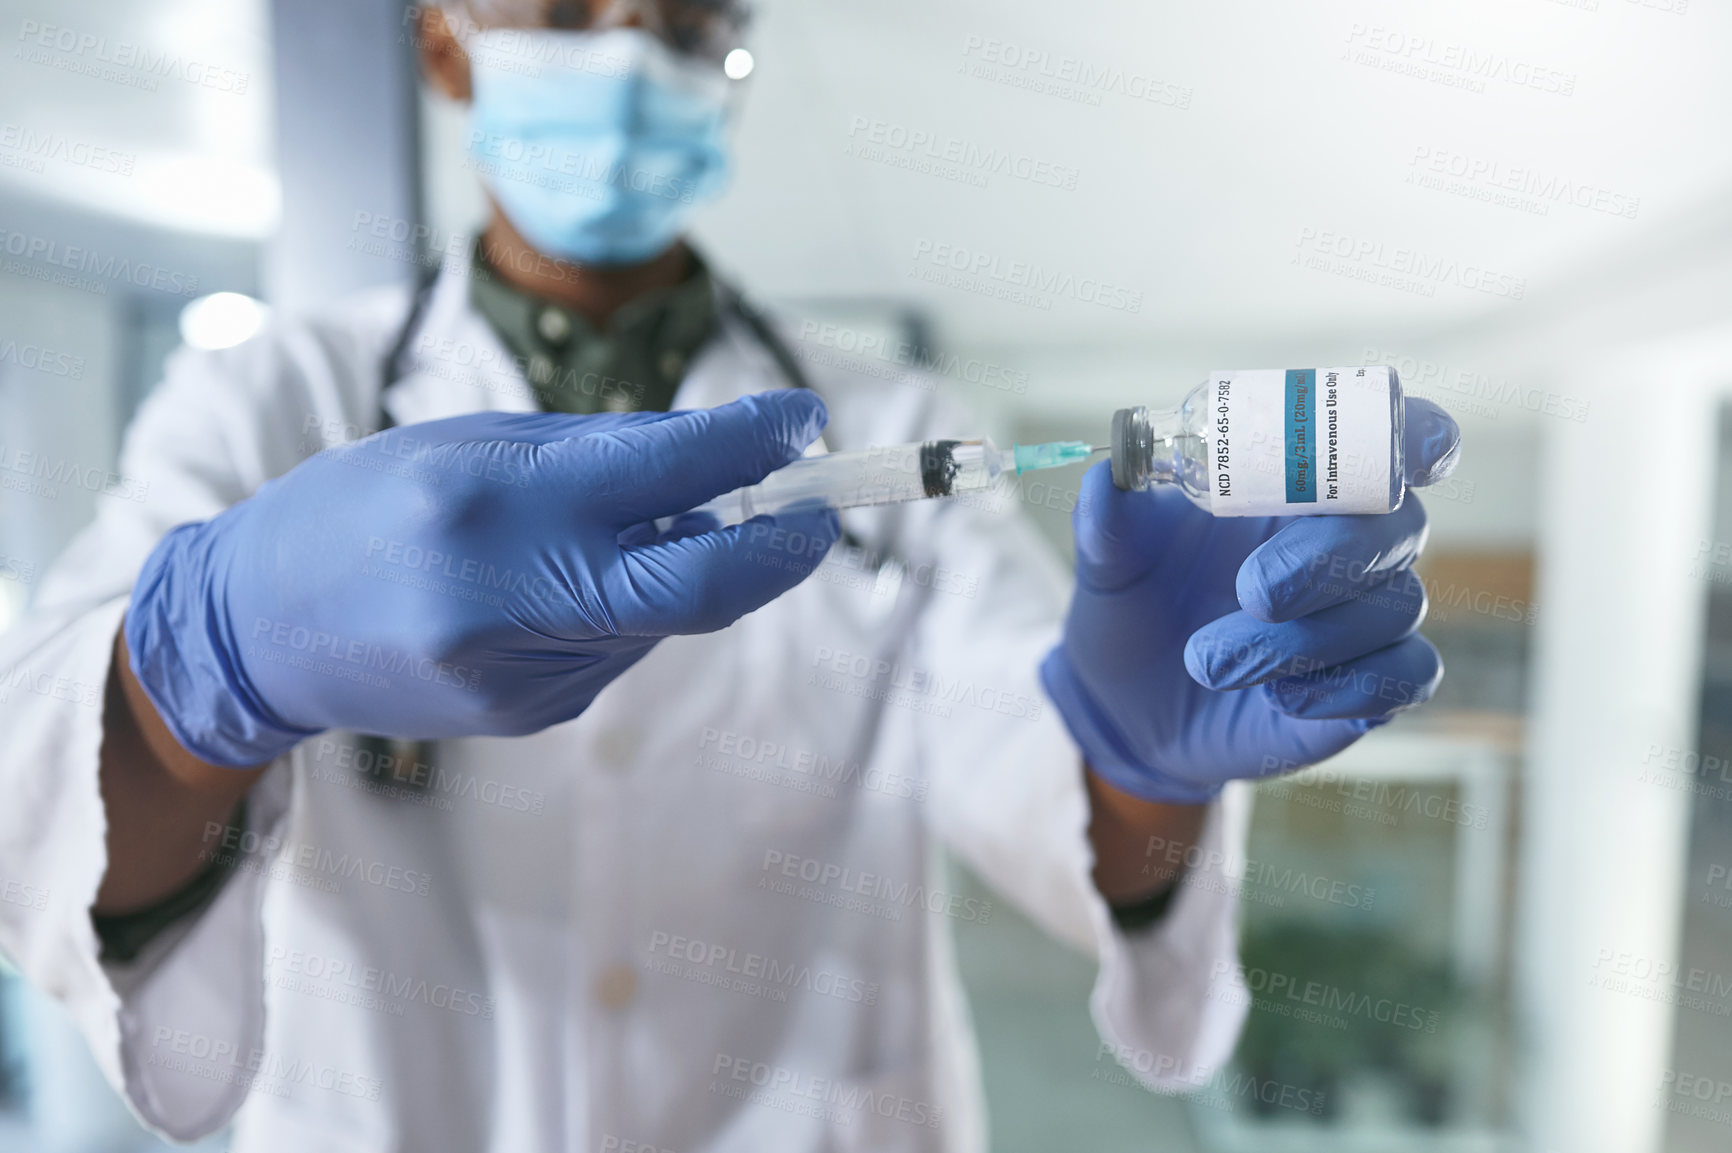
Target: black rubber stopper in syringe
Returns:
[938, 467]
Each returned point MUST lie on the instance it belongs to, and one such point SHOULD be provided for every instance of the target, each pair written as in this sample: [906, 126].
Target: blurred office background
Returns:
[1513, 907]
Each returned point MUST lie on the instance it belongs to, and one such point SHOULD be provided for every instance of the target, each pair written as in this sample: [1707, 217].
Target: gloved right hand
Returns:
[483, 575]
[1201, 650]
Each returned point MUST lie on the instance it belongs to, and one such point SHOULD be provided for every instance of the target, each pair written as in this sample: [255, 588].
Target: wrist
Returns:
[163, 804]
[1142, 848]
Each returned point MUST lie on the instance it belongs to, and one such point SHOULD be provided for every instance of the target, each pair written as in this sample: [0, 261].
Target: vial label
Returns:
[1300, 441]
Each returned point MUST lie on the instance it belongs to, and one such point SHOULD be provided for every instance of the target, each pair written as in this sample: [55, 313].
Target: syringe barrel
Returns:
[874, 476]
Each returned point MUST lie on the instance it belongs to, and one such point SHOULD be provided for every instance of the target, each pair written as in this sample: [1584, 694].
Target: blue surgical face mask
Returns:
[597, 146]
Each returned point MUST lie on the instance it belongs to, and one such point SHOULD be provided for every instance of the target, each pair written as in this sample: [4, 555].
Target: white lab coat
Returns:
[704, 916]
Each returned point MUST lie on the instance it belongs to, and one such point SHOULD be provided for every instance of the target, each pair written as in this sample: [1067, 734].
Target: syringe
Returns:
[891, 475]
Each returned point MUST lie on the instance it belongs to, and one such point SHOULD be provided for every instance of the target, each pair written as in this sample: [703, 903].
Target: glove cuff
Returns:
[181, 651]
[1105, 749]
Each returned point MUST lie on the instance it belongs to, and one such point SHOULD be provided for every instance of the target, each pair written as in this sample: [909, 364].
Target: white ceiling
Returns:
[1203, 209]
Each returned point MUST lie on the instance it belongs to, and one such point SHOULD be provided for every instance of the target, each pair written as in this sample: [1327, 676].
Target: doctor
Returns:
[648, 862]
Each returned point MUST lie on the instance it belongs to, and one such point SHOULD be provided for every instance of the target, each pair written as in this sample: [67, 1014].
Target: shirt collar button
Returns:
[554, 325]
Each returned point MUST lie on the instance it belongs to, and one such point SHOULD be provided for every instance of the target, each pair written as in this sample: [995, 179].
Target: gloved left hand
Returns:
[485, 575]
[1200, 650]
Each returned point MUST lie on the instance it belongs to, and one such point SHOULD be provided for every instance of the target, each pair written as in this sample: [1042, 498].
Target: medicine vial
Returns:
[1272, 442]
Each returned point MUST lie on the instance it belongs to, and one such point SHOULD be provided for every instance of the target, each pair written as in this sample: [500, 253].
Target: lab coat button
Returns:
[616, 986]
[618, 748]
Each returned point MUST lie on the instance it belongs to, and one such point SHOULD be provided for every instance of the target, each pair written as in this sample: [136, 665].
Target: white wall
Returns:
[177, 92]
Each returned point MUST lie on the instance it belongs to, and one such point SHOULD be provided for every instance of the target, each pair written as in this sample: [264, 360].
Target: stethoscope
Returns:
[408, 764]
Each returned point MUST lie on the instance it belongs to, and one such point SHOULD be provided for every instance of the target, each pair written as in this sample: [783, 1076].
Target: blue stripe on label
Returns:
[1301, 436]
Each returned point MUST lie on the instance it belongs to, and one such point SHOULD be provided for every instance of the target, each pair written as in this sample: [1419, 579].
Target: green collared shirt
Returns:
[636, 364]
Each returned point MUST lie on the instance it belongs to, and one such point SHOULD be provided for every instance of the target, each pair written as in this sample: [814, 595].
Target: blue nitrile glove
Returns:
[484, 575]
[1200, 650]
